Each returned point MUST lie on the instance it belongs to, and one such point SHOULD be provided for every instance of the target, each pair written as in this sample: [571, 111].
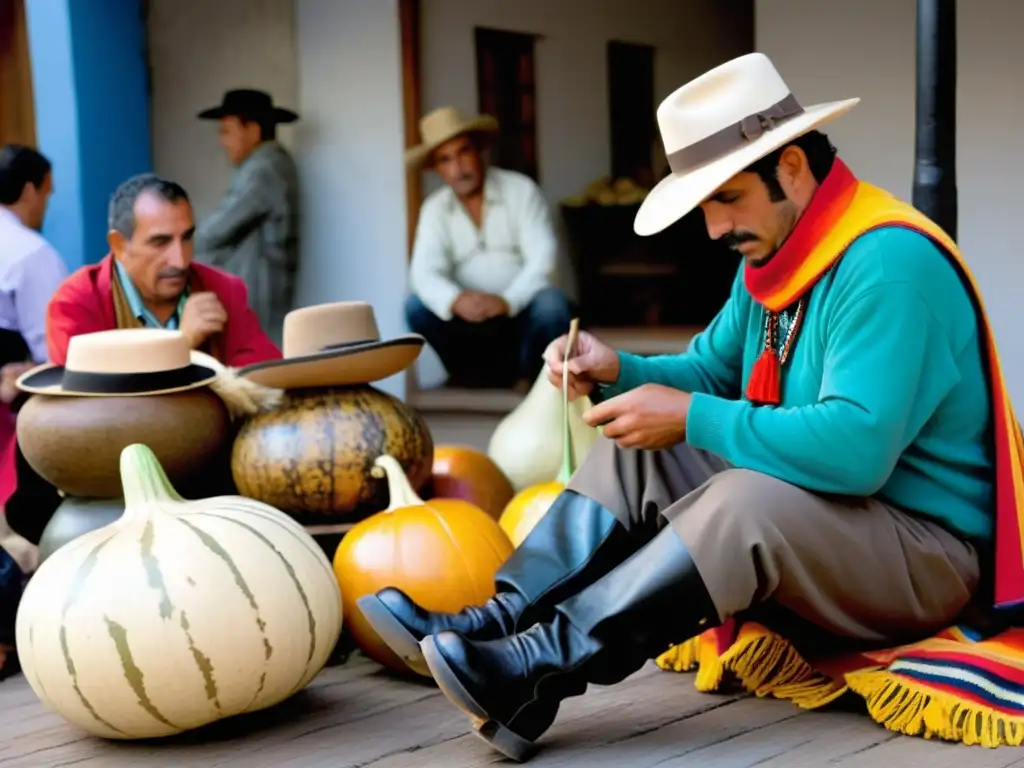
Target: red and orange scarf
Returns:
[843, 209]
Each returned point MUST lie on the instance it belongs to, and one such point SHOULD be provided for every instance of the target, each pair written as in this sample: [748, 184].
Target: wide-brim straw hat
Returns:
[128, 362]
[442, 125]
[717, 125]
[335, 345]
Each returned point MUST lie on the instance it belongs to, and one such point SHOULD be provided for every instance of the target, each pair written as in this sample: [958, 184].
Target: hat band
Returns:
[734, 136]
[344, 344]
[131, 383]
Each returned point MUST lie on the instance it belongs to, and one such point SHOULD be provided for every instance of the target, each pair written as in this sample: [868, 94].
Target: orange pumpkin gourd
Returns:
[443, 553]
[461, 472]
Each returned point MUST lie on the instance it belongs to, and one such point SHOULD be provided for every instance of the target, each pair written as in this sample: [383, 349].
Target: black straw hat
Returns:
[250, 103]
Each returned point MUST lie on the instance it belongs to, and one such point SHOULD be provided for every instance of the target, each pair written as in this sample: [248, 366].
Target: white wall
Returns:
[831, 50]
[350, 146]
[198, 50]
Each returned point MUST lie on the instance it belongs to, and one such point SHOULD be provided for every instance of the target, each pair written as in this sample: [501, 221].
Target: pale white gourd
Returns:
[178, 614]
[527, 444]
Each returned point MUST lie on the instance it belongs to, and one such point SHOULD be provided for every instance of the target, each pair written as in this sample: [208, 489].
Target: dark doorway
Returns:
[506, 90]
[631, 110]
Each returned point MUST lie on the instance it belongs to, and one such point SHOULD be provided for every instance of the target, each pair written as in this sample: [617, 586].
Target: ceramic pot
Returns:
[312, 455]
[75, 443]
[76, 517]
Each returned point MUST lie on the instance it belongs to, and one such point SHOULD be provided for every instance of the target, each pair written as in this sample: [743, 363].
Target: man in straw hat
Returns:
[483, 259]
[836, 449]
[254, 233]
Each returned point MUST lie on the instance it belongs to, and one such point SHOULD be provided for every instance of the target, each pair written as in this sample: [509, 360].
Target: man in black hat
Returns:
[254, 231]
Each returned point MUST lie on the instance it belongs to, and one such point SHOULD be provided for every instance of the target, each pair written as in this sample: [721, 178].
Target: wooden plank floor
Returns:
[357, 714]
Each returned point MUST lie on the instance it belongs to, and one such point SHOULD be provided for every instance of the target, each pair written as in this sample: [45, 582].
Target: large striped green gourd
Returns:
[178, 614]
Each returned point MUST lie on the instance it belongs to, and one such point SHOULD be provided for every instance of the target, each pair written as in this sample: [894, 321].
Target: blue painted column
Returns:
[89, 82]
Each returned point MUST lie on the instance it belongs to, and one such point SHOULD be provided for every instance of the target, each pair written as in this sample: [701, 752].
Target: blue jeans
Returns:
[496, 351]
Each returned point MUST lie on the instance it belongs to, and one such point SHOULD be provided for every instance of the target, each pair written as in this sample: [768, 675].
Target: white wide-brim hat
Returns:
[717, 125]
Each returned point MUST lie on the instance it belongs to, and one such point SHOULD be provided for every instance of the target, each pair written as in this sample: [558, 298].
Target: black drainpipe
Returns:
[935, 136]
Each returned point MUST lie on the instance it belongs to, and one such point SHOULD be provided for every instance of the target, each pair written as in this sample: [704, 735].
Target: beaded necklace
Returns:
[772, 323]
[764, 386]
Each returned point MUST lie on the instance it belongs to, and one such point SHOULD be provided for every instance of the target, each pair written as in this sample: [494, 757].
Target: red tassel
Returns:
[765, 386]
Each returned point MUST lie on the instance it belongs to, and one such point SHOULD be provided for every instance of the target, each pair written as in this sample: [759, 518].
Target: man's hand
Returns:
[9, 374]
[592, 363]
[475, 306]
[650, 417]
[493, 306]
[202, 317]
[467, 306]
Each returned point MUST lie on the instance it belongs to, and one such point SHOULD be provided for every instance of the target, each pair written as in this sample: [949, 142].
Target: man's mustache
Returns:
[167, 274]
[735, 239]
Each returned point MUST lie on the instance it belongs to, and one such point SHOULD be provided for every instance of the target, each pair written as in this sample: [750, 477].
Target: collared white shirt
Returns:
[512, 254]
[30, 272]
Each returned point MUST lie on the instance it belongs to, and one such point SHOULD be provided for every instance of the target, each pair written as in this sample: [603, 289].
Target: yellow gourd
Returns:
[527, 508]
[178, 614]
[526, 444]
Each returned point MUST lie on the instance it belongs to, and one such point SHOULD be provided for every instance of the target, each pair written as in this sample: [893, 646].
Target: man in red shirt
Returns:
[149, 280]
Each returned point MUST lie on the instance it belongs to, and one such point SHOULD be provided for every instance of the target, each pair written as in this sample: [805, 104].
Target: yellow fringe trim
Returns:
[765, 663]
[695, 654]
[903, 706]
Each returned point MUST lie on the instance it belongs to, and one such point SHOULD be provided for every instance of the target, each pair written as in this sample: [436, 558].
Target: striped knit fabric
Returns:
[955, 686]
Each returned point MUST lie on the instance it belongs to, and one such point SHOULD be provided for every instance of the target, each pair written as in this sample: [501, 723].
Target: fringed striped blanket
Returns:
[955, 686]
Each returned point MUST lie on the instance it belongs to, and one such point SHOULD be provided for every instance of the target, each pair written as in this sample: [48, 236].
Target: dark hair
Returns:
[121, 214]
[19, 166]
[268, 127]
[820, 154]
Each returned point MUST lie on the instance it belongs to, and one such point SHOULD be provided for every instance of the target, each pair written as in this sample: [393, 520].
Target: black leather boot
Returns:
[511, 688]
[575, 543]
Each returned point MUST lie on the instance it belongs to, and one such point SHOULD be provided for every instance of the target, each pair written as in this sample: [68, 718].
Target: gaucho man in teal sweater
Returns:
[823, 448]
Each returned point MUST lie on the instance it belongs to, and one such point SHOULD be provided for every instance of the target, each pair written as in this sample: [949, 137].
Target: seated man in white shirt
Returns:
[483, 260]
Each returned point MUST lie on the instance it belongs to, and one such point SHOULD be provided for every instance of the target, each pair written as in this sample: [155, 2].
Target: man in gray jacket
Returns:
[254, 231]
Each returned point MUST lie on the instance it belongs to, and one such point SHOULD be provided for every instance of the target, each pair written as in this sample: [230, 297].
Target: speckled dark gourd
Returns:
[76, 517]
[75, 443]
[312, 455]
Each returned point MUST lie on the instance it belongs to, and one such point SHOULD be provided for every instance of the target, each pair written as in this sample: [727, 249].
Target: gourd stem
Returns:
[143, 480]
[568, 460]
[400, 492]
[565, 473]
